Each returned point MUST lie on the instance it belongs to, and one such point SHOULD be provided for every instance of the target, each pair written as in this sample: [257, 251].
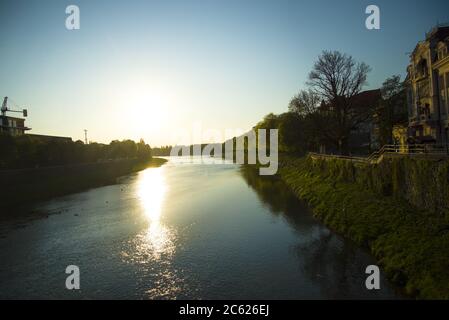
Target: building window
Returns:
[447, 89]
[443, 101]
[411, 110]
[422, 69]
[442, 90]
[423, 89]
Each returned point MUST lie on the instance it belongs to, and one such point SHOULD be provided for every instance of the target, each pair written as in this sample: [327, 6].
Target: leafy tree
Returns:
[292, 136]
[314, 115]
[27, 151]
[393, 108]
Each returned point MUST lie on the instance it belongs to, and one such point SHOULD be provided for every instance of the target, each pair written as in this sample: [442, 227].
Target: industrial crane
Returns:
[6, 109]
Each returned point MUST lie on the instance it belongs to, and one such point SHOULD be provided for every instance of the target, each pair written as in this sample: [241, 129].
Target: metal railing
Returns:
[392, 150]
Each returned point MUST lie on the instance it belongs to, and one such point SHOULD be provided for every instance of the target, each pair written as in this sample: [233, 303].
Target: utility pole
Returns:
[85, 136]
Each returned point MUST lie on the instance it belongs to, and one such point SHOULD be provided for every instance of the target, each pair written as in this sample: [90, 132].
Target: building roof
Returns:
[439, 32]
[13, 118]
[368, 97]
[48, 138]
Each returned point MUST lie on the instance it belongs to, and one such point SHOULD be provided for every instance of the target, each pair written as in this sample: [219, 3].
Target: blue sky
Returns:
[145, 68]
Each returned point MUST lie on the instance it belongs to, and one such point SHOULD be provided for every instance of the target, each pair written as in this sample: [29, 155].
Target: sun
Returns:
[145, 110]
[149, 109]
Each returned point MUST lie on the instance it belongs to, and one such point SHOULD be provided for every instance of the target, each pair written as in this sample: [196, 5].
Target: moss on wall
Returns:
[365, 204]
[424, 183]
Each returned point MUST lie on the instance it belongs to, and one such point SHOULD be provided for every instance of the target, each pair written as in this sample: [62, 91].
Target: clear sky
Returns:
[145, 68]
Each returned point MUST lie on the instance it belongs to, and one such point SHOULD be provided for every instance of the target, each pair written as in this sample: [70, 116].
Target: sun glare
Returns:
[151, 192]
[157, 239]
[149, 110]
[143, 109]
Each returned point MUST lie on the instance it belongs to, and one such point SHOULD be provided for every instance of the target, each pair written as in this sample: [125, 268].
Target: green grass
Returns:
[411, 244]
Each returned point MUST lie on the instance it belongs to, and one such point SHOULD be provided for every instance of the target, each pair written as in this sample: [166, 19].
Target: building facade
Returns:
[428, 88]
[364, 138]
[12, 125]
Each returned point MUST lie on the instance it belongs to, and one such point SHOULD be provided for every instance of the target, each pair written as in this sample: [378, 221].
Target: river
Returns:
[191, 229]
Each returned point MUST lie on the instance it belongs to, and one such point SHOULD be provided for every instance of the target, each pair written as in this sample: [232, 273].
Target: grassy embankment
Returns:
[25, 187]
[370, 206]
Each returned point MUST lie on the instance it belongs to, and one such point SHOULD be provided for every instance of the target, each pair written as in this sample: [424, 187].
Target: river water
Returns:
[191, 229]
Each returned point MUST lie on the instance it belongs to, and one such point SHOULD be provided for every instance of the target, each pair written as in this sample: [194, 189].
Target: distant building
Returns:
[364, 138]
[16, 126]
[12, 125]
[428, 88]
[45, 138]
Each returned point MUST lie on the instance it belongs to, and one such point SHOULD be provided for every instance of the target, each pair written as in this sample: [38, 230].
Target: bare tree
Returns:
[336, 79]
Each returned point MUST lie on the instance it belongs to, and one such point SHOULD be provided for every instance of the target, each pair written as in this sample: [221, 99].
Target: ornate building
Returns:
[428, 88]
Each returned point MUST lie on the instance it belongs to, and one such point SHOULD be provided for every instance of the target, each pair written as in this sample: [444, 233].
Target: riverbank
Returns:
[27, 186]
[409, 243]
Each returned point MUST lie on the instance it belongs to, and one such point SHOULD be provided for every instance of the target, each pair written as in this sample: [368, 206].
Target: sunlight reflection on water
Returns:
[154, 247]
[151, 191]
[158, 239]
